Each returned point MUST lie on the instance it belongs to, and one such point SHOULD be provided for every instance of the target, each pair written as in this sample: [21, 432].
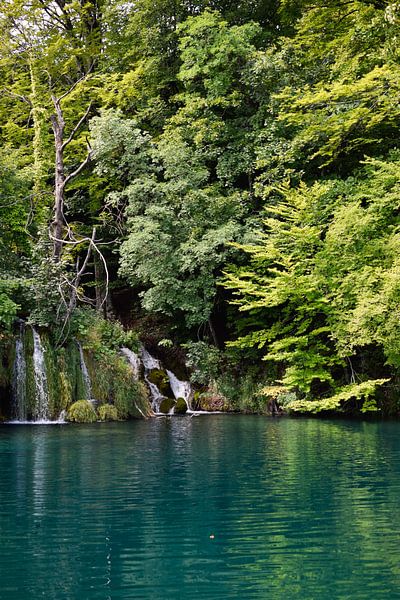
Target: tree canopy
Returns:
[229, 167]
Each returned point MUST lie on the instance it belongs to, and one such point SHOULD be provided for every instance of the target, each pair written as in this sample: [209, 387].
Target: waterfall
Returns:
[41, 410]
[19, 379]
[180, 389]
[62, 416]
[133, 360]
[149, 362]
[135, 363]
[85, 374]
[155, 394]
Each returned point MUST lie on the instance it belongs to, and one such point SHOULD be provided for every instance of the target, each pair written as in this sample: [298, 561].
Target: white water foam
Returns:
[133, 360]
[85, 374]
[180, 389]
[19, 379]
[41, 410]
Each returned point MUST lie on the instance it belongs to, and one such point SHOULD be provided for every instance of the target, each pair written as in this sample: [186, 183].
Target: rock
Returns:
[160, 378]
[180, 407]
[166, 405]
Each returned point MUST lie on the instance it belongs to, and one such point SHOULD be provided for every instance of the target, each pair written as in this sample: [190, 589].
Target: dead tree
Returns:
[61, 178]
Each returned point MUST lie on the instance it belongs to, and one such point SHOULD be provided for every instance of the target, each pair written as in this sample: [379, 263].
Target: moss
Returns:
[142, 402]
[108, 412]
[130, 396]
[82, 411]
[52, 375]
[160, 378]
[100, 368]
[112, 381]
[166, 405]
[7, 357]
[180, 407]
[65, 391]
[212, 400]
[71, 366]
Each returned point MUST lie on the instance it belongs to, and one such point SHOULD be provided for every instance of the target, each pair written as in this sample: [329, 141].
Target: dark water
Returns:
[299, 509]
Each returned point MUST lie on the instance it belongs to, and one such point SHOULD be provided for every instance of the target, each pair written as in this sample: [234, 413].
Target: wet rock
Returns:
[166, 405]
[160, 378]
[180, 407]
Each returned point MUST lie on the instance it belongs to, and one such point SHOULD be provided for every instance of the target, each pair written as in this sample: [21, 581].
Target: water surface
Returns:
[298, 509]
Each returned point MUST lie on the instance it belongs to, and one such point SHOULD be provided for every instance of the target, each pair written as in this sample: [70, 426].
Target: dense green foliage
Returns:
[82, 412]
[108, 412]
[223, 177]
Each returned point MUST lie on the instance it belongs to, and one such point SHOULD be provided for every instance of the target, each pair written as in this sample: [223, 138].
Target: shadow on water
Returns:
[299, 508]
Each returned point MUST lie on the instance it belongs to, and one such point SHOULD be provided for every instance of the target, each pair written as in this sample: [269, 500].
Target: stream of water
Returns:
[202, 508]
[41, 409]
[19, 379]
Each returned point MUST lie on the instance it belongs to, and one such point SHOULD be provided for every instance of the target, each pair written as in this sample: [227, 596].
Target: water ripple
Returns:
[206, 508]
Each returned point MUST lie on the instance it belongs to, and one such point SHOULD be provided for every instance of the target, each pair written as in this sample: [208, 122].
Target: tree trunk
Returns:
[58, 126]
[101, 286]
[213, 333]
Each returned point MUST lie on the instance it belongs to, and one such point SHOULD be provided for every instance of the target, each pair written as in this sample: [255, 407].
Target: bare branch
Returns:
[95, 247]
[18, 96]
[75, 84]
[52, 14]
[60, 117]
[79, 169]
[77, 126]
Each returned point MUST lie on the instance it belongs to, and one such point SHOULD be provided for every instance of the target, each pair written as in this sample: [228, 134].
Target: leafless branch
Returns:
[80, 168]
[75, 84]
[77, 126]
[17, 96]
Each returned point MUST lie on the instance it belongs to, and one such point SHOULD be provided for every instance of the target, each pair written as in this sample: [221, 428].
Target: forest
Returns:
[218, 180]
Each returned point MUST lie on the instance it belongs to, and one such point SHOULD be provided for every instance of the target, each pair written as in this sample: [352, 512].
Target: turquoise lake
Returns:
[299, 508]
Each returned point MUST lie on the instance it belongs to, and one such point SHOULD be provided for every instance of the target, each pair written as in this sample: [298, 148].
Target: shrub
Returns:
[108, 412]
[82, 411]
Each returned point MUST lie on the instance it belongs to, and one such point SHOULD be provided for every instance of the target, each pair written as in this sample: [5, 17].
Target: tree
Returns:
[178, 223]
[54, 47]
[323, 285]
[340, 74]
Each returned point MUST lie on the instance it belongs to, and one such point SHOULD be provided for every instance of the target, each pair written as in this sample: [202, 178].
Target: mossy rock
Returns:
[180, 407]
[81, 411]
[160, 378]
[108, 412]
[211, 402]
[166, 405]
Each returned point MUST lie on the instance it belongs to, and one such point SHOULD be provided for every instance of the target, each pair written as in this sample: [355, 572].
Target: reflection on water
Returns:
[298, 509]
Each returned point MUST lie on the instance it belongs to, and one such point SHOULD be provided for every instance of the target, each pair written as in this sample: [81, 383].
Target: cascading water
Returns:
[41, 411]
[133, 360]
[85, 374]
[156, 395]
[180, 389]
[135, 363]
[19, 379]
[150, 363]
